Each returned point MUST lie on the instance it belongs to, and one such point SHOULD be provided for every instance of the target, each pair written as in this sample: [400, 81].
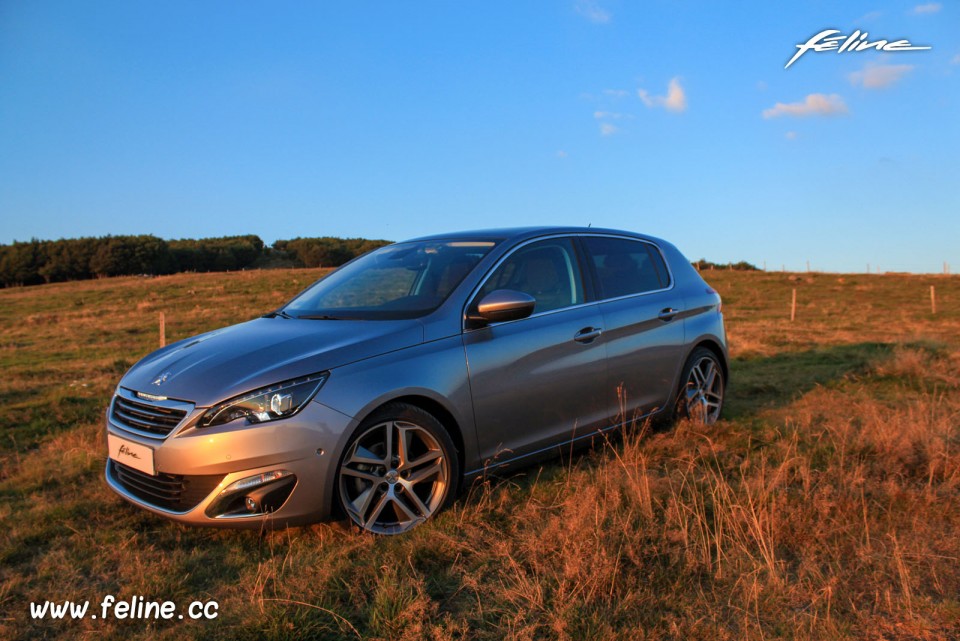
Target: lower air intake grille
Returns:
[173, 492]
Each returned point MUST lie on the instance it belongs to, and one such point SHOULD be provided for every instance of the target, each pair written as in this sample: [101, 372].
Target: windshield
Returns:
[405, 280]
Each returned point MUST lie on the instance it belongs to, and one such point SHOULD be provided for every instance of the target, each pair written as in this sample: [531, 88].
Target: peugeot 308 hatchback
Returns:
[380, 389]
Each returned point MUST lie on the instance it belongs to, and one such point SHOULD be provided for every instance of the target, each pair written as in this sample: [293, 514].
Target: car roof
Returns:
[524, 233]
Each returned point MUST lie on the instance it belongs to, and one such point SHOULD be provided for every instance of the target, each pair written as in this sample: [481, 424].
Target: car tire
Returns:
[702, 388]
[399, 469]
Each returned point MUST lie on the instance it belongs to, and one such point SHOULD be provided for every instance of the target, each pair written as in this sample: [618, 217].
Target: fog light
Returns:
[253, 496]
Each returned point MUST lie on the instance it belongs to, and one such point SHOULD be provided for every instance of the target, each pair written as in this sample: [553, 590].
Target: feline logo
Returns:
[856, 41]
[126, 451]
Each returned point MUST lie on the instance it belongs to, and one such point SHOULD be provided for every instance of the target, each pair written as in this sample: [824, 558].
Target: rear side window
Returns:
[625, 267]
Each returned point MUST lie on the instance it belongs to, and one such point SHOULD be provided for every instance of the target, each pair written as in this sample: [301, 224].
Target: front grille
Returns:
[153, 418]
[174, 492]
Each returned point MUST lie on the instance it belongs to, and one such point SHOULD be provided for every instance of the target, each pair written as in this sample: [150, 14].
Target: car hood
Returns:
[213, 367]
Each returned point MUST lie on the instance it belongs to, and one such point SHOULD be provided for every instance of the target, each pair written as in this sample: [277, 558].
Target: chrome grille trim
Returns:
[153, 419]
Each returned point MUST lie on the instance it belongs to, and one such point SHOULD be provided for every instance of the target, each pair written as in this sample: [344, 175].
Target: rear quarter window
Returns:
[623, 267]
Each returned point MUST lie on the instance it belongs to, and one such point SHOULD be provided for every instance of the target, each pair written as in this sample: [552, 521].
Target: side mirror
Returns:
[502, 305]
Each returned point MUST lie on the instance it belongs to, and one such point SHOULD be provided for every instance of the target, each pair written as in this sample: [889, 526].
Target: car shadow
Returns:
[768, 382]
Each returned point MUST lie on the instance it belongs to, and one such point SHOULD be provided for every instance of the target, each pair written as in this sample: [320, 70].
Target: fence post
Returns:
[793, 306]
[933, 300]
[163, 331]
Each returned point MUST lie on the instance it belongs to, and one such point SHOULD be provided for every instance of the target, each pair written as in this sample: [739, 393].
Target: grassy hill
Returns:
[826, 504]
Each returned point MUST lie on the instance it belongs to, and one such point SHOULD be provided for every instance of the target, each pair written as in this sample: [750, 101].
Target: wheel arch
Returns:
[707, 342]
[715, 347]
[718, 351]
[439, 411]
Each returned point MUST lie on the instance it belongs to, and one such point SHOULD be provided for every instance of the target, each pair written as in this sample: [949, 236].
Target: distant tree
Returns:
[123, 255]
[216, 254]
[20, 263]
[56, 263]
[326, 251]
[742, 266]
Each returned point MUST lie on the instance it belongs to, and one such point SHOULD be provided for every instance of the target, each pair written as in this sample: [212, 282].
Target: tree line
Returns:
[742, 266]
[48, 261]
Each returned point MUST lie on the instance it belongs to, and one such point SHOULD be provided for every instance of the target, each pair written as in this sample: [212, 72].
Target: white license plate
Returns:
[131, 454]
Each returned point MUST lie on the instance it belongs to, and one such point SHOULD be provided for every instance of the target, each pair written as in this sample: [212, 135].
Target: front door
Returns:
[539, 380]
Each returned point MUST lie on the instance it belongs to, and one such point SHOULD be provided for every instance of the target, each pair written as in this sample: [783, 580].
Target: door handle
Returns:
[667, 314]
[587, 334]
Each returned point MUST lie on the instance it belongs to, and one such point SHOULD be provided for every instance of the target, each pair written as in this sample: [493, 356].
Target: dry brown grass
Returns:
[836, 521]
[824, 506]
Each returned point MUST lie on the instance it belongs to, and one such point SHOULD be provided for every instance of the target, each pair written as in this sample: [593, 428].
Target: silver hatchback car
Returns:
[382, 388]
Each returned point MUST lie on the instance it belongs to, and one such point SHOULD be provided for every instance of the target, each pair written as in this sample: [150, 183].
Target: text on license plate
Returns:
[131, 454]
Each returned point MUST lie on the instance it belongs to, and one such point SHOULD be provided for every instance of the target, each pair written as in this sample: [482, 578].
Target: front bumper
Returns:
[194, 466]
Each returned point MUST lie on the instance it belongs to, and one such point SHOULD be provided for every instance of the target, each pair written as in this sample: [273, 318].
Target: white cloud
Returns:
[607, 128]
[930, 7]
[561, 154]
[816, 104]
[616, 93]
[791, 135]
[675, 100]
[955, 60]
[875, 76]
[611, 115]
[593, 12]
[869, 16]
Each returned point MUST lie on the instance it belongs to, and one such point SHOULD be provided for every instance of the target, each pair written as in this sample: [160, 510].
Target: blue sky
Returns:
[392, 120]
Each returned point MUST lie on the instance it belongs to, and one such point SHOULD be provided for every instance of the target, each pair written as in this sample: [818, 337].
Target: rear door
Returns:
[534, 381]
[642, 320]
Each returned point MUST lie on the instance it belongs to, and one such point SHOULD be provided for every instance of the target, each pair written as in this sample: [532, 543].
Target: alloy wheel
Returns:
[703, 395]
[393, 477]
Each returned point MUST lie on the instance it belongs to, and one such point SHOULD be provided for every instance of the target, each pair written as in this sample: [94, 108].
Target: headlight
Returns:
[268, 403]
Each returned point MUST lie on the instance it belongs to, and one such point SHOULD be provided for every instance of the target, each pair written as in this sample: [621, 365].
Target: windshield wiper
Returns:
[277, 312]
[318, 317]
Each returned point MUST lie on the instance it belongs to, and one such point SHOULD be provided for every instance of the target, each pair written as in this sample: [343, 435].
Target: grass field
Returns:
[826, 505]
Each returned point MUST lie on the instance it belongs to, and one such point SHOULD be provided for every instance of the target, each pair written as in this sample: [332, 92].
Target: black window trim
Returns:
[664, 279]
[591, 289]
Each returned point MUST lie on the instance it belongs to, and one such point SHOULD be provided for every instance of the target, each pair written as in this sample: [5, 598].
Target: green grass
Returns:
[824, 506]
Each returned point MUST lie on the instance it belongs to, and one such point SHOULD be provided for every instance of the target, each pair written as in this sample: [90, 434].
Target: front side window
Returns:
[405, 280]
[625, 267]
[547, 270]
